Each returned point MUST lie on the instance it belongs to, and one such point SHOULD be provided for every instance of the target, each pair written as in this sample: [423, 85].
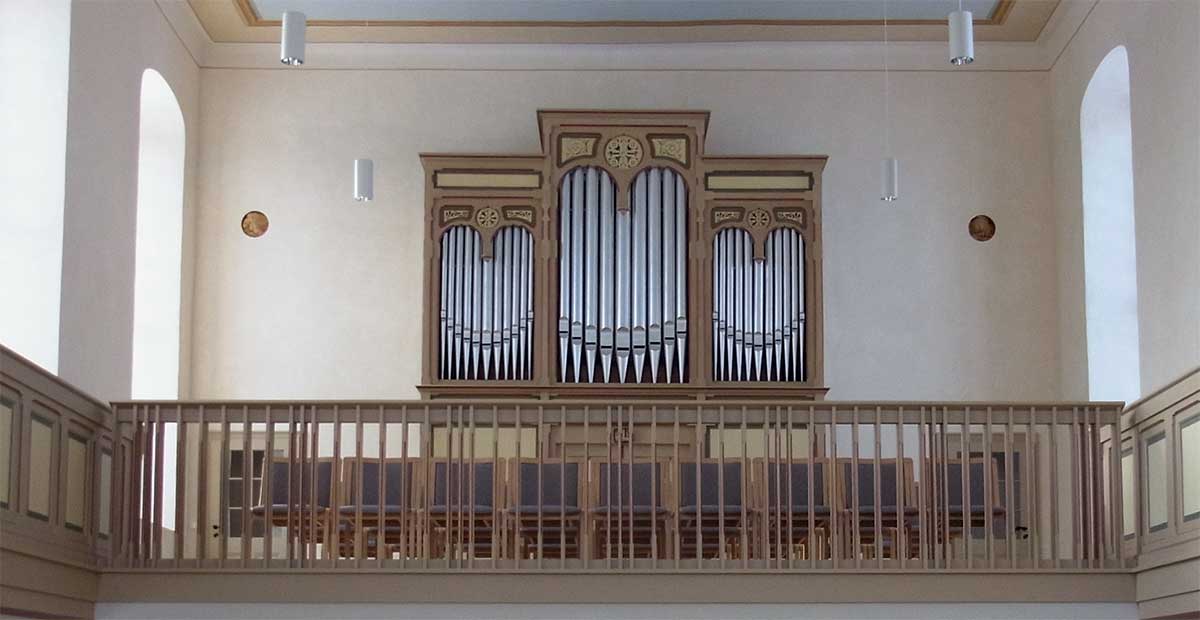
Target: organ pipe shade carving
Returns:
[622, 279]
[758, 307]
[486, 312]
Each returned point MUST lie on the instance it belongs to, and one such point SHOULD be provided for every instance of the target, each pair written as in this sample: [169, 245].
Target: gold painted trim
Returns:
[758, 181]
[497, 179]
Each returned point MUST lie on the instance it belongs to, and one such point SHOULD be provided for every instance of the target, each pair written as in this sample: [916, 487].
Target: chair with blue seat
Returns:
[629, 516]
[790, 518]
[460, 509]
[544, 507]
[361, 510]
[885, 526]
[712, 509]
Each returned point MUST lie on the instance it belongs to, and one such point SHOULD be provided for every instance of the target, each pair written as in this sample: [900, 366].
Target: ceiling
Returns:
[616, 21]
[593, 11]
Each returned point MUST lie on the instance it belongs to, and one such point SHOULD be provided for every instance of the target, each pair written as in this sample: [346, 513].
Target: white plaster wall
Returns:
[327, 303]
[112, 43]
[1163, 41]
[813, 611]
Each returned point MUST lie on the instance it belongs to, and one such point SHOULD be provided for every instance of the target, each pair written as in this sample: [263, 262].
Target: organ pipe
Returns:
[758, 307]
[486, 305]
[622, 279]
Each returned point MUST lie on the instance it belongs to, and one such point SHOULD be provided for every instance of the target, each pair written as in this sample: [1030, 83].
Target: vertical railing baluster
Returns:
[854, 493]
[471, 487]
[181, 454]
[988, 481]
[878, 485]
[743, 523]
[246, 476]
[1030, 488]
[1010, 517]
[608, 489]
[924, 516]
[408, 477]
[674, 473]
[335, 499]
[266, 494]
[1054, 497]
[223, 491]
[381, 520]
[586, 518]
[964, 460]
[837, 547]
[655, 489]
[156, 517]
[900, 544]
[811, 456]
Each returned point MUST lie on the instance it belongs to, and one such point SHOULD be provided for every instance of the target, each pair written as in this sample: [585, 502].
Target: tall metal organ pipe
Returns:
[622, 279]
[758, 307]
[486, 310]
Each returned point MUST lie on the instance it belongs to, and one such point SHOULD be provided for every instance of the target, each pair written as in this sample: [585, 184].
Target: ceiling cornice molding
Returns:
[183, 20]
[1038, 55]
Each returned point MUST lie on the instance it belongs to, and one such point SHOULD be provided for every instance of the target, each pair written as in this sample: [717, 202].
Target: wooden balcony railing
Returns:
[621, 485]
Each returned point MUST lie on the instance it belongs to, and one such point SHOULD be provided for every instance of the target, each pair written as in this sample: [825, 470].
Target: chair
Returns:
[629, 514]
[896, 513]
[544, 506]
[461, 509]
[784, 508]
[293, 503]
[712, 511]
[974, 515]
[361, 510]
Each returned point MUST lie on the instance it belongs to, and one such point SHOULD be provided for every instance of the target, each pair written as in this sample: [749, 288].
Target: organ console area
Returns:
[623, 260]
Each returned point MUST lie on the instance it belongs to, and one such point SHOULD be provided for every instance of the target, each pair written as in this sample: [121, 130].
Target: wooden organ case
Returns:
[623, 262]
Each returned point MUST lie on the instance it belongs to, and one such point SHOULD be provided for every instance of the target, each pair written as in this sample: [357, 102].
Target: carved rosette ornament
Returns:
[487, 217]
[623, 152]
[759, 218]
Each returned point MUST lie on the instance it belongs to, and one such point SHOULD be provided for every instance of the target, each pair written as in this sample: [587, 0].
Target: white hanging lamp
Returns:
[962, 37]
[291, 44]
[890, 169]
[364, 169]
[364, 180]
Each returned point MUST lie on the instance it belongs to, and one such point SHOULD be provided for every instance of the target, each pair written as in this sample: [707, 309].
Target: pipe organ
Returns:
[623, 260]
[622, 285]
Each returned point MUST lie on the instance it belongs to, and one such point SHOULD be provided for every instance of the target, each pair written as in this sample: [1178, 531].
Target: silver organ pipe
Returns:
[486, 305]
[622, 279]
[758, 307]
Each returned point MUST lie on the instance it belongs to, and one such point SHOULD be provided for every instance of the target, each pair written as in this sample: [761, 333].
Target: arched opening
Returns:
[158, 261]
[1109, 246]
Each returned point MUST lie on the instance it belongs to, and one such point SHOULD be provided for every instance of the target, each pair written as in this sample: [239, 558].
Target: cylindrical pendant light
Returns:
[890, 170]
[891, 180]
[364, 180]
[962, 37]
[291, 45]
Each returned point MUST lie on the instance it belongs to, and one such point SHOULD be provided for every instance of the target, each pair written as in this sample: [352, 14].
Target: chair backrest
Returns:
[954, 483]
[559, 484]
[398, 481]
[711, 476]
[888, 491]
[625, 484]
[777, 483]
[293, 483]
[453, 481]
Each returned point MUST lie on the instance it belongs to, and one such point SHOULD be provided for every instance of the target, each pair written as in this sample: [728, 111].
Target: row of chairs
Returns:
[438, 508]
